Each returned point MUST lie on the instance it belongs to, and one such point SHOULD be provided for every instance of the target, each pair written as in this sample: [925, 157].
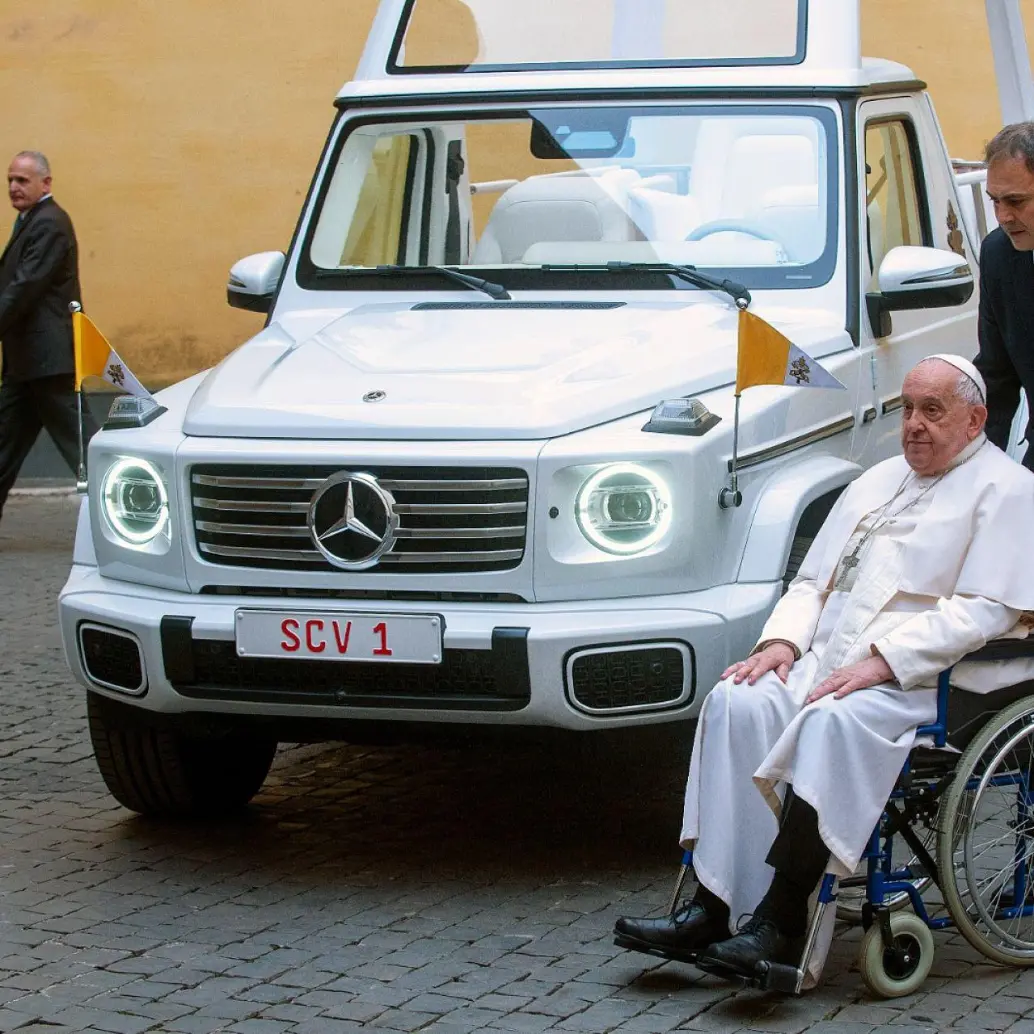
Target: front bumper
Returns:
[505, 663]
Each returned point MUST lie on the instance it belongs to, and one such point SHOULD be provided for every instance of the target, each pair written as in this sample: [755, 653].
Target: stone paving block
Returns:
[402, 1019]
[50, 1028]
[307, 977]
[290, 1012]
[938, 1009]
[602, 1016]
[912, 1028]
[327, 1025]
[196, 1024]
[523, 1022]
[342, 1006]
[503, 1003]
[443, 1025]
[839, 1026]
[13, 1020]
[259, 1026]
[434, 1003]
[985, 1020]
[80, 1017]
[387, 995]
[1005, 1003]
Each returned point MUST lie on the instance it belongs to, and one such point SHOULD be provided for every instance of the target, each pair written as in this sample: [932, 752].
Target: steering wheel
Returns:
[730, 226]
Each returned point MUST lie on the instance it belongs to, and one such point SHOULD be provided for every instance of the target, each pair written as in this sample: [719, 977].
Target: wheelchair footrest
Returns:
[671, 955]
[772, 976]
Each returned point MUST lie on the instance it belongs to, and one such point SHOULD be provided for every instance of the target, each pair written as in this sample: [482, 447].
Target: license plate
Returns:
[333, 636]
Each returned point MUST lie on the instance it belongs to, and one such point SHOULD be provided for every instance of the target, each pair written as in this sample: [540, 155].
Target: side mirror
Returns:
[253, 281]
[918, 278]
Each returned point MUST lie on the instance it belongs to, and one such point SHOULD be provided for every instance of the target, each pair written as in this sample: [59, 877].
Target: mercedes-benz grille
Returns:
[449, 518]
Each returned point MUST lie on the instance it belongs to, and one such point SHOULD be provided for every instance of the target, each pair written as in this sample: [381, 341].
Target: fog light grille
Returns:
[631, 678]
[112, 658]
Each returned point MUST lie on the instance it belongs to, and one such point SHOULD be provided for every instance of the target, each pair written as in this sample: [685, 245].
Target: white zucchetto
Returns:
[964, 366]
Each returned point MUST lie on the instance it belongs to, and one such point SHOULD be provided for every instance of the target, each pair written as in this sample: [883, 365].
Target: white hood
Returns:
[500, 371]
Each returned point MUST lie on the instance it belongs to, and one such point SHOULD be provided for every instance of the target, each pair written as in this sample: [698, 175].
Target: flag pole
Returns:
[80, 476]
[731, 497]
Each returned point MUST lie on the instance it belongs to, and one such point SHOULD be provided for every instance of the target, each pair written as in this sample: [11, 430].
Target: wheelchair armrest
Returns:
[1002, 650]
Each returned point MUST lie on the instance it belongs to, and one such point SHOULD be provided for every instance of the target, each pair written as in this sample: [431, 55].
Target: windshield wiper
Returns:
[733, 288]
[493, 290]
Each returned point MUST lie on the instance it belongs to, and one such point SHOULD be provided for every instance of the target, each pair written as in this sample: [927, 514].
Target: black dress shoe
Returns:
[760, 940]
[680, 936]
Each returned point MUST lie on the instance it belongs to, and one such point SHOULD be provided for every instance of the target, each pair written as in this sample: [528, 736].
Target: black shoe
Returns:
[760, 940]
[680, 936]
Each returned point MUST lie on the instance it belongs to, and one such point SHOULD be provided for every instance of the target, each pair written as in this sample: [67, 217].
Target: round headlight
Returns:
[624, 509]
[135, 501]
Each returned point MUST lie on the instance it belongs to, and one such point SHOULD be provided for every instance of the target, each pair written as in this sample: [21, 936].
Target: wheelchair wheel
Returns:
[901, 969]
[985, 843]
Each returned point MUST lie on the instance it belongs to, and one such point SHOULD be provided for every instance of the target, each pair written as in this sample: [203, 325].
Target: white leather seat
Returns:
[761, 163]
[791, 215]
[662, 215]
[579, 207]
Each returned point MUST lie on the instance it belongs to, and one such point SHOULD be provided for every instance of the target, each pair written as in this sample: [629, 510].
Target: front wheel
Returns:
[900, 969]
[160, 773]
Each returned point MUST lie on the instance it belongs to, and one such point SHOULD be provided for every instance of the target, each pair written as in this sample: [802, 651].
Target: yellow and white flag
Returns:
[767, 357]
[94, 357]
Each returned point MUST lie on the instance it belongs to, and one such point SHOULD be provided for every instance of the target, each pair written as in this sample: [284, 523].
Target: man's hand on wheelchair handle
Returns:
[777, 657]
[863, 675]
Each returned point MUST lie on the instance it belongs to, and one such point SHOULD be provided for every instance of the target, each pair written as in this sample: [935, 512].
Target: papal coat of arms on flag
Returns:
[94, 357]
[767, 357]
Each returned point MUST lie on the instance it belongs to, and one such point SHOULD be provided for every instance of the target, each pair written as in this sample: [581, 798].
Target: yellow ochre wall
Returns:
[183, 136]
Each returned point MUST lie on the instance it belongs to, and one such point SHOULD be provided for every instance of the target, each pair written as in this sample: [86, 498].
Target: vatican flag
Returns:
[767, 357]
[94, 357]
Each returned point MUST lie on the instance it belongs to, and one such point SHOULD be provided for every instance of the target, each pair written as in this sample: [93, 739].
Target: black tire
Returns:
[160, 773]
[798, 551]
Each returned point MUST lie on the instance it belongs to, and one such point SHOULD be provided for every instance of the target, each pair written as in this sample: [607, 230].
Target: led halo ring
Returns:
[115, 511]
[660, 516]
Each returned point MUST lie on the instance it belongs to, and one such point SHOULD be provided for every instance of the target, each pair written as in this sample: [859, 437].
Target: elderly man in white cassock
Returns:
[922, 560]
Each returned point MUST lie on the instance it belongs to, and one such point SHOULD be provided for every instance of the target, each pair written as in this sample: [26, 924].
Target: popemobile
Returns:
[478, 468]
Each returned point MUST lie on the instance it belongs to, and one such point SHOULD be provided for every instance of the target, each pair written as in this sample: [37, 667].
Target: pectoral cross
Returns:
[848, 564]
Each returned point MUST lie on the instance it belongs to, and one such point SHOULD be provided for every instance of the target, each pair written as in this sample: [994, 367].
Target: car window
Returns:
[720, 187]
[366, 206]
[893, 206]
[481, 35]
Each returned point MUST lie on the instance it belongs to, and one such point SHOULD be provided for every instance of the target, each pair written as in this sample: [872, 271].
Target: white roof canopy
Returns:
[460, 46]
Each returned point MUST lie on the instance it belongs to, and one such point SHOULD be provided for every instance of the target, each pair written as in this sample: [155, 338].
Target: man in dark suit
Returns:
[39, 277]
[1006, 327]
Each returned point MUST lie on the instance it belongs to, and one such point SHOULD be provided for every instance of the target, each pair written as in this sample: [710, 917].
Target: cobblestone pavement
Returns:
[443, 890]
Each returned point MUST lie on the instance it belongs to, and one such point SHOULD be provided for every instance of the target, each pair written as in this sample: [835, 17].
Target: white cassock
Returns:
[950, 571]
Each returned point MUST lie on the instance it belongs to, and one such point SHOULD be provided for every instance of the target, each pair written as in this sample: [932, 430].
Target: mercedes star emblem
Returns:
[352, 520]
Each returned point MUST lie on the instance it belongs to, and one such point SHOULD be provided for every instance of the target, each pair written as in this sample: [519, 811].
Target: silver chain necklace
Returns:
[853, 559]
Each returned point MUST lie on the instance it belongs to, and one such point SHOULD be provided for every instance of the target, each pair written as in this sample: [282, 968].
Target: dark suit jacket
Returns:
[1006, 332]
[39, 276]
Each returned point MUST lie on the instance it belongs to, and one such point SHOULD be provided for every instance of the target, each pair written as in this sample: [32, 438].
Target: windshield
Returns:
[746, 192]
[498, 35]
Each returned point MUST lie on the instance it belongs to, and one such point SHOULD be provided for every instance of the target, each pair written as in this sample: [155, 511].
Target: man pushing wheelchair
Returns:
[922, 560]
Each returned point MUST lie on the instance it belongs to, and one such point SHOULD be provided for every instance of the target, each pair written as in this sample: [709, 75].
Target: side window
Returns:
[893, 206]
[364, 214]
[376, 230]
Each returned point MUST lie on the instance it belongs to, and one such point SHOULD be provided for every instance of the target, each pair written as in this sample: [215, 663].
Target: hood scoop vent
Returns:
[510, 306]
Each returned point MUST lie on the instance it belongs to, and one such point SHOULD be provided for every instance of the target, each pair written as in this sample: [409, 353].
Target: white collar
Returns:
[970, 450]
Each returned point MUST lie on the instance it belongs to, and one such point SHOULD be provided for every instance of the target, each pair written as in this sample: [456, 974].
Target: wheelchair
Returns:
[960, 821]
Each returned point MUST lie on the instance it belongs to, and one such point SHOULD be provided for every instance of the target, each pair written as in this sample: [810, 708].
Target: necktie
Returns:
[17, 223]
